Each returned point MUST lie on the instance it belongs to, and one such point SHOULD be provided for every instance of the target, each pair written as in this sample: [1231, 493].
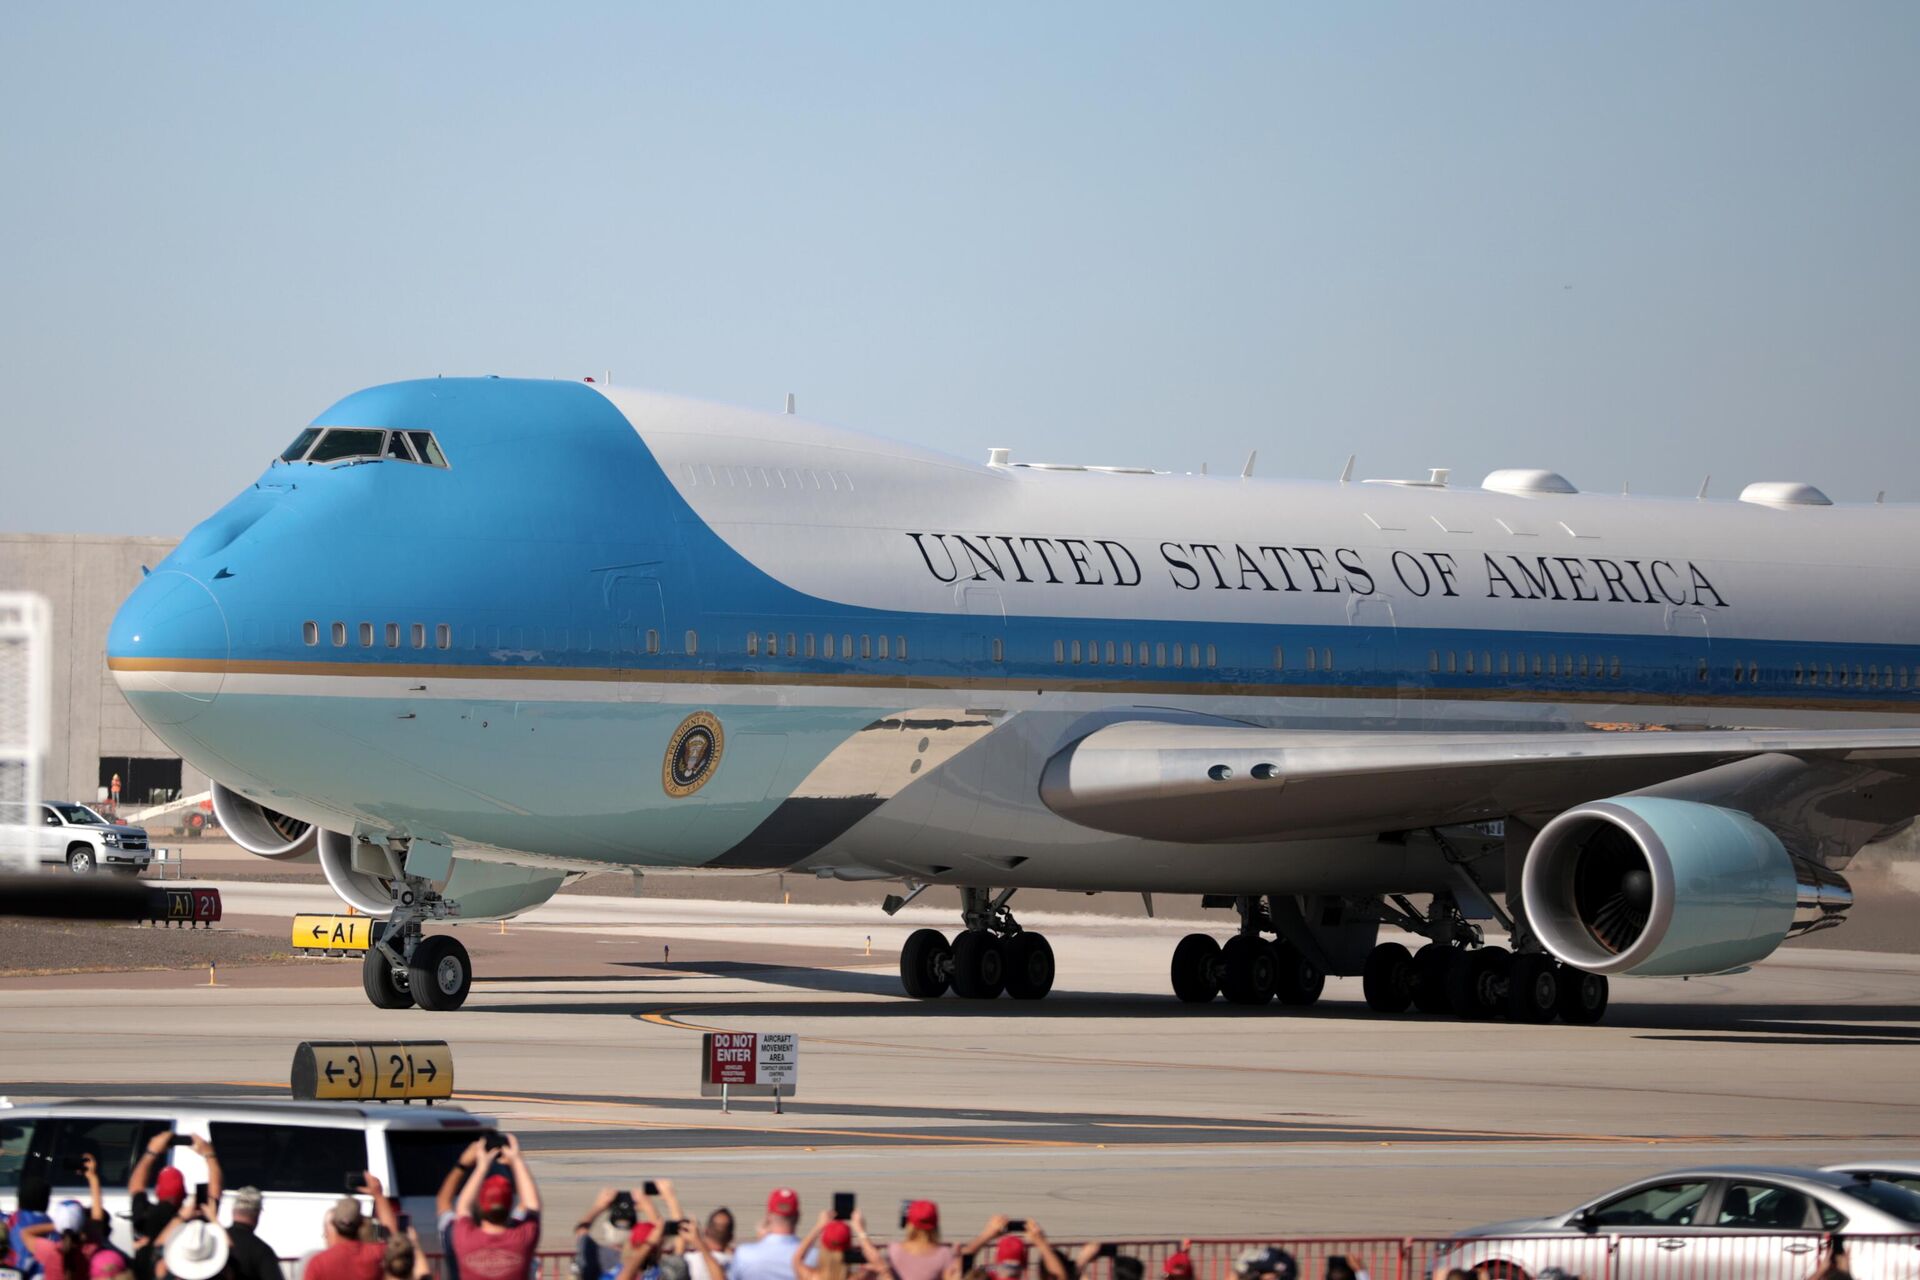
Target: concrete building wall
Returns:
[84, 578]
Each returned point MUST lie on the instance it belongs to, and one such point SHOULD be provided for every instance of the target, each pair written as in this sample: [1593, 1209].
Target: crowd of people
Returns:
[488, 1227]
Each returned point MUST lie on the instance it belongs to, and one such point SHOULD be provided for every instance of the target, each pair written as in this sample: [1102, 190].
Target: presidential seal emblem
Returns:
[693, 754]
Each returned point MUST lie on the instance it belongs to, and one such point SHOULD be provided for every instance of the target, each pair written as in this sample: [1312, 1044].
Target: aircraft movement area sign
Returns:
[749, 1063]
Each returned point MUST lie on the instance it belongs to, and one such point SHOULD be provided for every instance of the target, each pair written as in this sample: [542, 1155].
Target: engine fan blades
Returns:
[1619, 920]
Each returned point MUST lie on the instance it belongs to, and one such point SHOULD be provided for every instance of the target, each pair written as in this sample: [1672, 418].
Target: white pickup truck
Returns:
[85, 842]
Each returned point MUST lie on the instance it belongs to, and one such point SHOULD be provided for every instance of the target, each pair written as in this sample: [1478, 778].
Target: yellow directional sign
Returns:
[332, 933]
[372, 1071]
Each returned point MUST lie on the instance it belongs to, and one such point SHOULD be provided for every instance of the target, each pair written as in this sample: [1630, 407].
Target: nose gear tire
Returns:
[383, 990]
[439, 974]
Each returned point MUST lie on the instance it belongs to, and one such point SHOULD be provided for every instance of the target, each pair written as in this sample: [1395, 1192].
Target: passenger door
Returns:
[1655, 1228]
[986, 632]
[1765, 1221]
[52, 835]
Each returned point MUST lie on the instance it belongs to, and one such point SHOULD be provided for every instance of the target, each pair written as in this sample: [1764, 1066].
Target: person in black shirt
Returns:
[151, 1215]
[248, 1256]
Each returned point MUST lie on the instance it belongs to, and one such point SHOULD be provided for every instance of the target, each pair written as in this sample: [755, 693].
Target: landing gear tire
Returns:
[1430, 966]
[1298, 981]
[1251, 969]
[1388, 978]
[925, 963]
[384, 989]
[979, 965]
[1583, 997]
[1029, 966]
[1196, 966]
[1533, 988]
[1475, 982]
[439, 974]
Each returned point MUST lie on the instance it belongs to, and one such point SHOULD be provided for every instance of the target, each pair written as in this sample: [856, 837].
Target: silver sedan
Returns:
[1720, 1223]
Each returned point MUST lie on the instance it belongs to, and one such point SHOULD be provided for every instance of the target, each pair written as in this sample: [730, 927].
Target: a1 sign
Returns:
[749, 1063]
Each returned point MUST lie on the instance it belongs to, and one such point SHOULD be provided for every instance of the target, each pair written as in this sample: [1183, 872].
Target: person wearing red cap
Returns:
[499, 1246]
[152, 1214]
[1179, 1266]
[771, 1256]
[1009, 1258]
[921, 1255]
[835, 1239]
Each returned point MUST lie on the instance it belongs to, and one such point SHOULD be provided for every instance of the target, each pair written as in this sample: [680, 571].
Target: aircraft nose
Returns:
[168, 647]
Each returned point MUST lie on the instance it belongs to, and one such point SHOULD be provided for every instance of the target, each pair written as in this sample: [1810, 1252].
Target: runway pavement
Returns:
[1109, 1108]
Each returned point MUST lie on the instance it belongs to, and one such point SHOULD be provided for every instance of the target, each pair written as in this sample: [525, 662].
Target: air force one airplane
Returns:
[471, 637]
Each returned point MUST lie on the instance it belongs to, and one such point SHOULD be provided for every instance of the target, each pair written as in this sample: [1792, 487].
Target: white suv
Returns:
[77, 836]
[299, 1154]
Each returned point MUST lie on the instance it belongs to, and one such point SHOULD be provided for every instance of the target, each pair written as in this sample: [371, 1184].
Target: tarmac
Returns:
[1109, 1109]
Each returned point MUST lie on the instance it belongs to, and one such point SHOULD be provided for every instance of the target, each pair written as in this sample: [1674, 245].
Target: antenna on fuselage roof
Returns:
[1703, 487]
[1203, 468]
[1247, 471]
[1626, 488]
[1346, 472]
[789, 402]
[1880, 498]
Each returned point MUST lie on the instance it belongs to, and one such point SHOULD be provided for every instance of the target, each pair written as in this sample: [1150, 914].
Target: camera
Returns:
[496, 1140]
[671, 1227]
[1016, 1225]
[842, 1205]
[650, 1187]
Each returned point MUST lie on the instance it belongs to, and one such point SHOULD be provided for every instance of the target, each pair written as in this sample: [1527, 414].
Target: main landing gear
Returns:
[1249, 969]
[991, 955]
[406, 967]
[1456, 973]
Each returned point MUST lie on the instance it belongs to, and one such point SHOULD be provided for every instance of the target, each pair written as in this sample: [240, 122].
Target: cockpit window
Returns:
[341, 443]
[364, 444]
[298, 449]
[428, 448]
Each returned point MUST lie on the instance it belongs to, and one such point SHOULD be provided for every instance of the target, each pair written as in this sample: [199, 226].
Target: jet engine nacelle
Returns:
[484, 890]
[1660, 887]
[258, 829]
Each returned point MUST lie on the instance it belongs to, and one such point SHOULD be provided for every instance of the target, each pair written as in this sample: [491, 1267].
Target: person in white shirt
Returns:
[771, 1256]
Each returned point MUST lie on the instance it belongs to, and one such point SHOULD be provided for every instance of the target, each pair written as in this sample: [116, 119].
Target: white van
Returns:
[300, 1155]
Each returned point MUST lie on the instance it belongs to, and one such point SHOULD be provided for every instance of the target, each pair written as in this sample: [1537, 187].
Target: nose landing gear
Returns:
[404, 966]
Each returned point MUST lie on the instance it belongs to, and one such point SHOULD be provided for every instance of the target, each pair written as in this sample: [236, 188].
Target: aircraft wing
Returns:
[1172, 781]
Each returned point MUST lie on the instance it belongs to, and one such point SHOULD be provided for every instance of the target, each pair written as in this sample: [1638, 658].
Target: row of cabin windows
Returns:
[1121, 653]
[415, 634]
[794, 478]
[808, 645]
[1589, 666]
[1836, 674]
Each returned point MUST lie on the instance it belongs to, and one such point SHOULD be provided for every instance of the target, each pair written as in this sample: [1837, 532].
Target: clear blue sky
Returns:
[1627, 241]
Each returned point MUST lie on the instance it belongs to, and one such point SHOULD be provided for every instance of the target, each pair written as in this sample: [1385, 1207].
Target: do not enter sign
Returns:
[749, 1062]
